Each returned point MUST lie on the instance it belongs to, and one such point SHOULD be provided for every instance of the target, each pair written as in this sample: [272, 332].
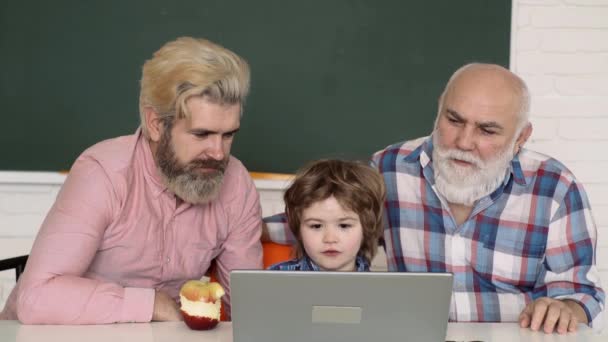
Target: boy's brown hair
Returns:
[356, 186]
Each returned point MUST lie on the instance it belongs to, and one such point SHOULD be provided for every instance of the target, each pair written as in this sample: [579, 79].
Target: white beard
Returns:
[466, 184]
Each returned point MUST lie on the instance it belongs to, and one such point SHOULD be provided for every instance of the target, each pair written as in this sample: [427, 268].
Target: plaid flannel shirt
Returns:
[306, 264]
[534, 236]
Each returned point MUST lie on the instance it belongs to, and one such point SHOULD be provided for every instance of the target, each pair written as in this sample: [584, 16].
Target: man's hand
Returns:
[165, 308]
[552, 314]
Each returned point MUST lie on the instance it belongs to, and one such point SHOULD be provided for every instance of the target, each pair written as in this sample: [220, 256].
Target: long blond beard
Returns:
[195, 189]
[183, 179]
[465, 185]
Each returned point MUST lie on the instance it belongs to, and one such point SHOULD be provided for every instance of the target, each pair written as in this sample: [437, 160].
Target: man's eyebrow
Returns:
[484, 125]
[206, 131]
[201, 131]
[234, 131]
[455, 114]
[491, 124]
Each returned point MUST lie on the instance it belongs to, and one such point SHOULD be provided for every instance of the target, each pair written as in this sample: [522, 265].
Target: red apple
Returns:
[200, 304]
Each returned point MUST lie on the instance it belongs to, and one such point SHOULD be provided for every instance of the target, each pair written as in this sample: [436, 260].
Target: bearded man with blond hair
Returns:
[141, 214]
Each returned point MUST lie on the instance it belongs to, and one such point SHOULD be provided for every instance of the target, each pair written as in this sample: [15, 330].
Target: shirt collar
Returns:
[149, 164]
[421, 153]
[516, 170]
[306, 264]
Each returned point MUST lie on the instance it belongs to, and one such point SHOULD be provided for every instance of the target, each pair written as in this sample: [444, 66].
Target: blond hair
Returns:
[188, 67]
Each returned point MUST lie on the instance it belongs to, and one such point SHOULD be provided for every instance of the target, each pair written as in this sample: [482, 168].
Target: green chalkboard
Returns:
[330, 78]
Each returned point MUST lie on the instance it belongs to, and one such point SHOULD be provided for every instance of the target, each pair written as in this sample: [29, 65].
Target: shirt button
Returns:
[168, 260]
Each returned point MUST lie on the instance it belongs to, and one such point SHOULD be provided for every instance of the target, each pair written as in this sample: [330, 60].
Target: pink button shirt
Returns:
[115, 233]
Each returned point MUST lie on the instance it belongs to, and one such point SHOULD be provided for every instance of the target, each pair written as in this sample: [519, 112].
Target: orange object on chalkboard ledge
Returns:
[271, 176]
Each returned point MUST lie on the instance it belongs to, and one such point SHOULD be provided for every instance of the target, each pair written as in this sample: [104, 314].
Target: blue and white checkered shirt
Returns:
[306, 264]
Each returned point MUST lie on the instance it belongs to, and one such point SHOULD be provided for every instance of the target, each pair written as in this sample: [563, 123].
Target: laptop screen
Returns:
[339, 306]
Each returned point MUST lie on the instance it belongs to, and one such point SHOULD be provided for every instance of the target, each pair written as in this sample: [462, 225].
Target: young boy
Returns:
[334, 209]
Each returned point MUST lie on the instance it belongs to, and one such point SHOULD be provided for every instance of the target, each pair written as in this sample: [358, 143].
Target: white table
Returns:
[11, 331]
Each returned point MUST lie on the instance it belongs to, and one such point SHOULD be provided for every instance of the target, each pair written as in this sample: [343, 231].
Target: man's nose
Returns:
[465, 140]
[215, 149]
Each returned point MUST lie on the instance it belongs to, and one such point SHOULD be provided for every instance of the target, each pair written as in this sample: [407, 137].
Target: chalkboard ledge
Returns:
[57, 178]
[32, 177]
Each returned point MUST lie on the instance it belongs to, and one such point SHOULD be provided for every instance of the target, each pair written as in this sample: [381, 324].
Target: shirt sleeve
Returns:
[277, 230]
[393, 260]
[276, 267]
[242, 248]
[53, 289]
[569, 270]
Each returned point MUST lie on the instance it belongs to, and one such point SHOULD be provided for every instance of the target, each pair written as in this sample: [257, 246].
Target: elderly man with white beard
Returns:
[140, 215]
[513, 226]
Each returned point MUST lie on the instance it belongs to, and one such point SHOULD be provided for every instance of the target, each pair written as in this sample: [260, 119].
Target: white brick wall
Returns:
[560, 47]
[24, 201]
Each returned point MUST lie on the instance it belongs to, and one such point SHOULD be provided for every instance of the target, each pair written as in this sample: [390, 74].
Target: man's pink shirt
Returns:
[115, 234]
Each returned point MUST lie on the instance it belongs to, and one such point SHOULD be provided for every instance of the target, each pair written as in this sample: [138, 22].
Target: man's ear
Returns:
[524, 135]
[153, 123]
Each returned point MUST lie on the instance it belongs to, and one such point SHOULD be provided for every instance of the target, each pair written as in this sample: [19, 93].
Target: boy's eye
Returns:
[345, 225]
[314, 226]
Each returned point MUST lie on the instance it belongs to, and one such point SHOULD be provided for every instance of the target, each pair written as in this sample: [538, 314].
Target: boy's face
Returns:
[331, 235]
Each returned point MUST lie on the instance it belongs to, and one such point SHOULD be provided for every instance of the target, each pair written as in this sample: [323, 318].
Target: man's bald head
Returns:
[494, 84]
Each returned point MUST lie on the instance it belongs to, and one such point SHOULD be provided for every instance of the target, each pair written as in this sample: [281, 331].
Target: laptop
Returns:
[277, 306]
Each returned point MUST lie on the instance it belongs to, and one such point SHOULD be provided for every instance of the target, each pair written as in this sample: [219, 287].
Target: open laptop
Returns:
[276, 306]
